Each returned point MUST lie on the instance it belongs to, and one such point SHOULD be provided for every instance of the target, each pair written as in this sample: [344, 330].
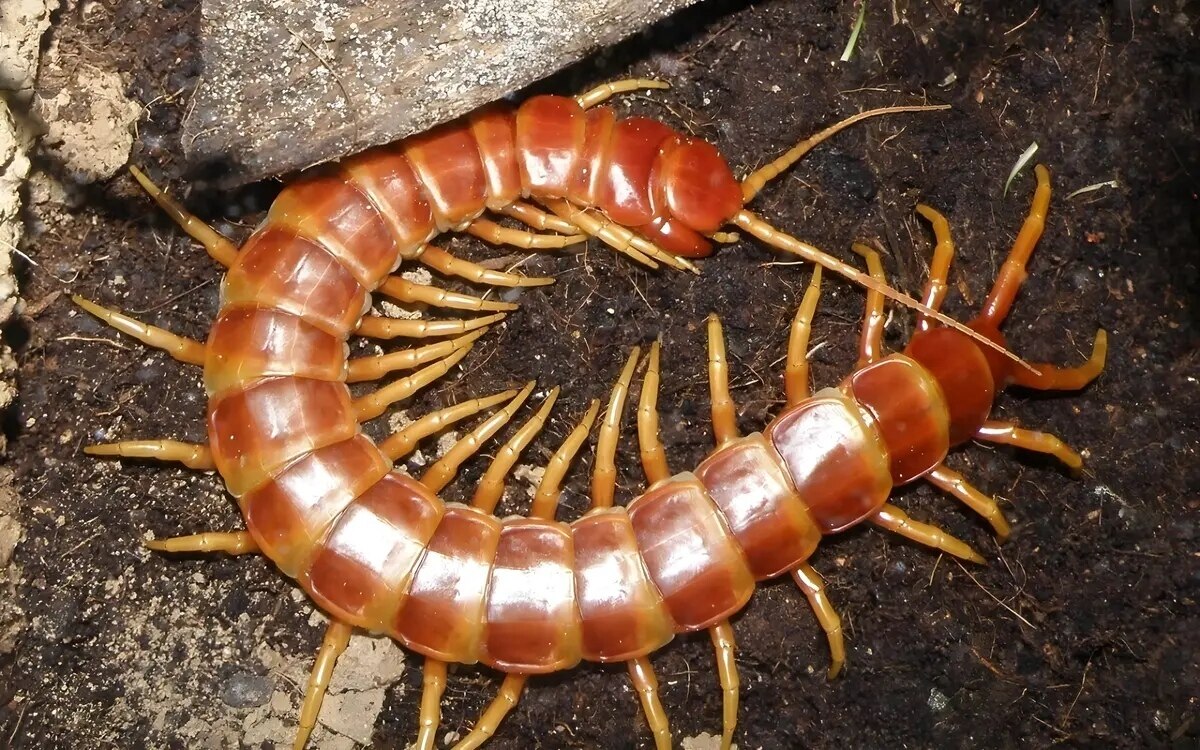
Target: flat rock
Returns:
[291, 83]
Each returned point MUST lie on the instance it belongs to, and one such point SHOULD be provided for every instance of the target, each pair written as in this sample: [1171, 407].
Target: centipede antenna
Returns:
[377, 327]
[445, 263]
[756, 180]
[219, 247]
[491, 486]
[403, 290]
[439, 475]
[376, 366]
[192, 455]
[188, 351]
[789, 244]
[229, 542]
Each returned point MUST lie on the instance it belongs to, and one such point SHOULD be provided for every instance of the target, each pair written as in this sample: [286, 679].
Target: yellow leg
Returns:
[604, 471]
[1012, 272]
[759, 178]
[618, 237]
[434, 684]
[403, 290]
[443, 262]
[870, 345]
[809, 581]
[604, 91]
[538, 219]
[376, 327]
[795, 380]
[219, 247]
[490, 231]
[229, 542]
[491, 487]
[646, 686]
[441, 473]
[337, 636]
[401, 443]
[939, 268]
[724, 644]
[654, 458]
[191, 455]
[375, 403]
[181, 348]
[371, 368]
[1053, 378]
[545, 500]
[504, 702]
[1004, 433]
[893, 519]
[724, 416]
[782, 241]
[954, 484]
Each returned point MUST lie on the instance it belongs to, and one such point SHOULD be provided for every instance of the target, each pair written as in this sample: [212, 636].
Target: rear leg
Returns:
[645, 684]
[439, 475]
[535, 217]
[870, 344]
[229, 542]
[373, 367]
[373, 404]
[618, 237]
[402, 442]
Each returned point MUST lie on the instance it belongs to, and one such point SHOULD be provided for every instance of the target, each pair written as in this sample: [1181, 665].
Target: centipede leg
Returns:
[375, 403]
[618, 237]
[893, 519]
[1004, 433]
[218, 246]
[809, 581]
[188, 351]
[727, 672]
[337, 636]
[604, 471]
[443, 262]
[870, 344]
[402, 442]
[545, 500]
[939, 267]
[504, 702]
[433, 685]
[954, 484]
[1012, 273]
[646, 686]
[490, 231]
[371, 368]
[654, 458]
[403, 290]
[491, 486]
[605, 91]
[795, 379]
[441, 473]
[377, 327]
[192, 455]
[1053, 378]
[538, 219]
[229, 542]
[724, 415]
[755, 181]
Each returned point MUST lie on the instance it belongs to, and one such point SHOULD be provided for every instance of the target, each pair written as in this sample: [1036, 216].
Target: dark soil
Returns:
[1080, 631]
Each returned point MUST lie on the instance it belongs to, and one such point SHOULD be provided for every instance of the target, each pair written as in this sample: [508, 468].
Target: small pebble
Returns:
[243, 690]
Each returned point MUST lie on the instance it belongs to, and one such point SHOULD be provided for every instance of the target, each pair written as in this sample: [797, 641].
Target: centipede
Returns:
[379, 550]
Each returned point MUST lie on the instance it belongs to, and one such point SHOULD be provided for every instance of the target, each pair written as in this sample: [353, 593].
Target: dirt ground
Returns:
[1081, 630]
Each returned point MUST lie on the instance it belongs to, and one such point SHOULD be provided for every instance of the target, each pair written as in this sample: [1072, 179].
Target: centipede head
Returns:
[696, 193]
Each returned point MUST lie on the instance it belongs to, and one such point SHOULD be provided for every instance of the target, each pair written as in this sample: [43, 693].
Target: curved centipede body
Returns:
[379, 550]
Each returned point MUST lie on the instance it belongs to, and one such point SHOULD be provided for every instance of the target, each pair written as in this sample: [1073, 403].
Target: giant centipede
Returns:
[379, 550]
